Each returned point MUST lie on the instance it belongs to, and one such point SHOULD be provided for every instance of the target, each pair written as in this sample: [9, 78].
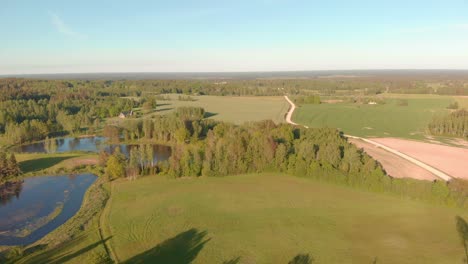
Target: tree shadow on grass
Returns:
[163, 109]
[55, 256]
[41, 164]
[302, 259]
[209, 114]
[462, 229]
[180, 249]
[232, 261]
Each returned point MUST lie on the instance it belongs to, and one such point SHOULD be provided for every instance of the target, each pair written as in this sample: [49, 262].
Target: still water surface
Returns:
[91, 144]
[26, 208]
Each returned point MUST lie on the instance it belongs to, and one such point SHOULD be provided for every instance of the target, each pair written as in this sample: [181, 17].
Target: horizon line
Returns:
[234, 72]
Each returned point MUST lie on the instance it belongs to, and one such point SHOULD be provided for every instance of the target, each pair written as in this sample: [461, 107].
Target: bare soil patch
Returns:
[394, 165]
[451, 160]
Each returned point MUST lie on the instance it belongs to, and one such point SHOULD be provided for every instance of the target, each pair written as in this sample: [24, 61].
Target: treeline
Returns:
[454, 124]
[184, 124]
[319, 153]
[209, 148]
[9, 167]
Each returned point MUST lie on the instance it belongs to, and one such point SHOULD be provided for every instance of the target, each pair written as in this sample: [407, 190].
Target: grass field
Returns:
[231, 109]
[388, 120]
[266, 218]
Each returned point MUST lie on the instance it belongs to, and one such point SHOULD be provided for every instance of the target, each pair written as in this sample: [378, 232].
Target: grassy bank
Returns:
[268, 218]
[44, 163]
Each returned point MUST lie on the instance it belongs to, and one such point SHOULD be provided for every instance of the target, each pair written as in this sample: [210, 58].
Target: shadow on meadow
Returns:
[232, 261]
[302, 259]
[181, 249]
[56, 255]
[41, 163]
[163, 109]
[209, 114]
[462, 229]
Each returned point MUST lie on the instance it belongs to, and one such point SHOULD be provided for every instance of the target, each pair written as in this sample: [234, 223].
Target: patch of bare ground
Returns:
[394, 165]
[80, 161]
[332, 101]
[451, 160]
[459, 142]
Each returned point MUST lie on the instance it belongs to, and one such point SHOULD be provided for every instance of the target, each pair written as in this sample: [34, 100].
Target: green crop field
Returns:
[267, 218]
[387, 120]
[229, 108]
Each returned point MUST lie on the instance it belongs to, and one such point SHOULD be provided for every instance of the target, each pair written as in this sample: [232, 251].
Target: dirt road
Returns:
[440, 174]
[394, 165]
[290, 112]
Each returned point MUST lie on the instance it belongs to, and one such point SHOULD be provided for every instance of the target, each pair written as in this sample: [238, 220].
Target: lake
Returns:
[91, 144]
[31, 209]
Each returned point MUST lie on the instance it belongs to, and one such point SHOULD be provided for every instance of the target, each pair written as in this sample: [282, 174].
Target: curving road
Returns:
[423, 165]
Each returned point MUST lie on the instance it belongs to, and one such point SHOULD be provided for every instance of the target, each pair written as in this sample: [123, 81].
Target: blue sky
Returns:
[255, 35]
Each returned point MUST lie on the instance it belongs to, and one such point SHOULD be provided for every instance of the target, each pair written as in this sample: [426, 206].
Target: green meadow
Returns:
[387, 120]
[234, 109]
[270, 218]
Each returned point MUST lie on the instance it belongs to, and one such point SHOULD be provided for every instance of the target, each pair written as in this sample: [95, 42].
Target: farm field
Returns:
[451, 160]
[277, 217]
[232, 109]
[387, 120]
[394, 165]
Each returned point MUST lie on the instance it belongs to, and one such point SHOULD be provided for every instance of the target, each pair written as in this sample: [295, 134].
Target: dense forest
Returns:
[454, 124]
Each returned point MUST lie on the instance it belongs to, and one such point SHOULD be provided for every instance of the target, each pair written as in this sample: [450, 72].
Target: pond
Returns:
[91, 144]
[31, 209]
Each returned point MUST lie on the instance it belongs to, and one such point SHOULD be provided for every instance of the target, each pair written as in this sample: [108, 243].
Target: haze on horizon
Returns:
[212, 36]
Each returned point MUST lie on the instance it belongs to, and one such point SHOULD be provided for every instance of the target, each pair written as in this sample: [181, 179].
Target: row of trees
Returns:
[454, 124]
[209, 148]
[141, 161]
[320, 153]
[9, 167]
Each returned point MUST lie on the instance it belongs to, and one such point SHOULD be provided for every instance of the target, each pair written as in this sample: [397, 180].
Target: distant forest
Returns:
[34, 109]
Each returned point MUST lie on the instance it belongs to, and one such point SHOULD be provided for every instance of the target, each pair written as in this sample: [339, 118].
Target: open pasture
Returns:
[270, 218]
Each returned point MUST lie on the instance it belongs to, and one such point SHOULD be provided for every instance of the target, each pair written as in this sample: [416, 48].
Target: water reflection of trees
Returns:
[10, 189]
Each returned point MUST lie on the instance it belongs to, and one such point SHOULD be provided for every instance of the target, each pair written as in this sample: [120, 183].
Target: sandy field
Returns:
[394, 165]
[451, 160]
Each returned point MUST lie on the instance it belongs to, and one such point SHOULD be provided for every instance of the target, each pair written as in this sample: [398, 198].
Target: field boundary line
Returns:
[104, 214]
[442, 175]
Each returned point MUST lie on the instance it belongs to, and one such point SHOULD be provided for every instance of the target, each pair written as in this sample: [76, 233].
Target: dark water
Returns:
[160, 152]
[91, 144]
[36, 198]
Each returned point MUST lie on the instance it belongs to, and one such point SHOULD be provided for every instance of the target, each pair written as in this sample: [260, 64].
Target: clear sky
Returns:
[59, 36]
